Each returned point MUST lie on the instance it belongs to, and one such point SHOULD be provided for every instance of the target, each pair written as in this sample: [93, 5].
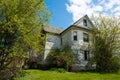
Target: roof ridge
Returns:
[79, 19]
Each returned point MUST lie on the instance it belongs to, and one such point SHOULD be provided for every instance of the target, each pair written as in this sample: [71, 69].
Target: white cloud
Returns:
[116, 9]
[111, 3]
[98, 8]
[79, 8]
[117, 13]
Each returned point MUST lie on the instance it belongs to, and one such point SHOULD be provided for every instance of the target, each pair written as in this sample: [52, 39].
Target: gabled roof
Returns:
[60, 31]
[78, 27]
[75, 24]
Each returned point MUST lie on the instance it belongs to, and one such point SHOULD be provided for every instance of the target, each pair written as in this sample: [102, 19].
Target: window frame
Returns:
[85, 37]
[84, 22]
[75, 36]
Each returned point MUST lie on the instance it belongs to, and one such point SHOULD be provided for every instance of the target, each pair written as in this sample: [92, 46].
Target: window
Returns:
[84, 22]
[86, 55]
[85, 37]
[75, 35]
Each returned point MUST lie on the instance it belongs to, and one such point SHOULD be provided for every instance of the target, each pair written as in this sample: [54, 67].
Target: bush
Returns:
[61, 58]
[115, 65]
[10, 73]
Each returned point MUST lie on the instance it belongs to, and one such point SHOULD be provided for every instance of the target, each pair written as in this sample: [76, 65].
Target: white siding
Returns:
[66, 38]
[52, 42]
[80, 41]
[77, 45]
[80, 23]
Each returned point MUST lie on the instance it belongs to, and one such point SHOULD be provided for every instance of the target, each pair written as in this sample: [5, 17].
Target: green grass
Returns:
[52, 75]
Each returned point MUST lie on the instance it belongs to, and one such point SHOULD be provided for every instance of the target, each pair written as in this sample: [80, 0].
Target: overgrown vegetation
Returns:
[61, 58]
[106, 43]
[20, 24]
[53, 75]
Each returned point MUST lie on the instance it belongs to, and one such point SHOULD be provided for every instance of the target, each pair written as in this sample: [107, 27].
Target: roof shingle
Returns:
[53, 30]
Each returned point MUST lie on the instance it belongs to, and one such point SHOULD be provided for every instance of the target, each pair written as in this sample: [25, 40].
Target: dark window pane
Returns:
[85, 22]
[75, 36]
[85, 37]
[86, 55]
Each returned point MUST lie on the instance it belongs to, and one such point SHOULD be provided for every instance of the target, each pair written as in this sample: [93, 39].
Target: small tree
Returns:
[106, 42]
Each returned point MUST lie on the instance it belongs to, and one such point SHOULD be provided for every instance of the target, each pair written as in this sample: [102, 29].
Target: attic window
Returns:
[75, 35]
[84, 22]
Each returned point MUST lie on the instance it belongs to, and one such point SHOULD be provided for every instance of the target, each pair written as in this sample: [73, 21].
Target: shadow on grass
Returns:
[24, 73]
[99, 72]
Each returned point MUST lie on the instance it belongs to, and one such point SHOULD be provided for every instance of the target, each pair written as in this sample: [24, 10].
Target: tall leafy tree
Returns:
[21, 22]
[106, 42]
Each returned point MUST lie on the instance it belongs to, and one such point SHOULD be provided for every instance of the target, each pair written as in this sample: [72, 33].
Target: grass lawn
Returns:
[52, 75]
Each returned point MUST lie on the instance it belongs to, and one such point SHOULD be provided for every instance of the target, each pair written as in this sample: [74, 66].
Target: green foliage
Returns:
[61, 58]
[106, 42]
[21, 22]
[60, 70]
[115, 64]
[51, 75]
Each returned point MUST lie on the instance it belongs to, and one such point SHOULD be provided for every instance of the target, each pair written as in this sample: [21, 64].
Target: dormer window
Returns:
[84, 22]
[75, 35]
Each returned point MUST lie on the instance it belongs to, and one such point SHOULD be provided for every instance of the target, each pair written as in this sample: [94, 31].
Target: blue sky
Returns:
[60, 17]
[65, 12]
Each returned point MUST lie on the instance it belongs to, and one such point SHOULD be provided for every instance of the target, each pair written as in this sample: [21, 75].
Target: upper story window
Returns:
[75, 35]
[85, 37]
[84, 22]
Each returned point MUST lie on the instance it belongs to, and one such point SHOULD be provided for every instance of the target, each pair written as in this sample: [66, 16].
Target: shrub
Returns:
[115, 65]
[61, 58]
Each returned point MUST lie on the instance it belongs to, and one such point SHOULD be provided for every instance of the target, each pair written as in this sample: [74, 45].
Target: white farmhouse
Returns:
[78, 36]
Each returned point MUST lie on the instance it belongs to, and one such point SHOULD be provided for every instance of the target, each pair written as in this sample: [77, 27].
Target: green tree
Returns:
[106, 42]
[21, 22]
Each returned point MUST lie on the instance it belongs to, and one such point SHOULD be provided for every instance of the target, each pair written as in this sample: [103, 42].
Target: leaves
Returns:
[106, 41]
[21, 22]
[62, 58]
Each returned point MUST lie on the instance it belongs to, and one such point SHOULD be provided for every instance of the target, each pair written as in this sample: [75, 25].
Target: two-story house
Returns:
[78, 36]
